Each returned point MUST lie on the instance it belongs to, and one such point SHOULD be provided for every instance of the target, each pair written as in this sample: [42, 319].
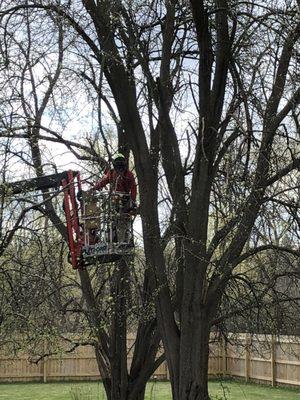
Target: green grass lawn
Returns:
[226, 390]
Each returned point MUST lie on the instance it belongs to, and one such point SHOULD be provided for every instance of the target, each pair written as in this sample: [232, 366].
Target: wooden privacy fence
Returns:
[267, 359]
[271, 359]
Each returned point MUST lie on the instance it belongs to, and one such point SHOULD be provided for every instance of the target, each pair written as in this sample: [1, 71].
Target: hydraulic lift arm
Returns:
[41, 183]
[68, 180]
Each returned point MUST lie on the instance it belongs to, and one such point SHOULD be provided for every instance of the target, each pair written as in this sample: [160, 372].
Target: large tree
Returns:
[207, 99]
[111, 301]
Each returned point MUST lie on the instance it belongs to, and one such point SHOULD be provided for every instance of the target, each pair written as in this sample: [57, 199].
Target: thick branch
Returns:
[266, 247]
[295, 164]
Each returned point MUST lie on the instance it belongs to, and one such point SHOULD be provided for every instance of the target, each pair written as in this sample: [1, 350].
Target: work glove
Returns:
[134, 208]
[79, 194]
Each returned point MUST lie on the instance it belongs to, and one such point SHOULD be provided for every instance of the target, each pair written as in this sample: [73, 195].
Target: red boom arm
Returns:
[72, 218]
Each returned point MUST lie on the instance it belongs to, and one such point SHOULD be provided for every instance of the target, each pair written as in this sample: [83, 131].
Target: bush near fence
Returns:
[268, 359]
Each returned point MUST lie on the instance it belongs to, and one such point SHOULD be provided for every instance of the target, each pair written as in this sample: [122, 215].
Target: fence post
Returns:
[220, 347]
[247, 357]
[45, 370]
[45, 364]
[273, 360]
[167, 371]
[224, 363]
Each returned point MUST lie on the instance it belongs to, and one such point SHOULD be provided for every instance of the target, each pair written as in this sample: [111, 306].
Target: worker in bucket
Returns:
[121, 180]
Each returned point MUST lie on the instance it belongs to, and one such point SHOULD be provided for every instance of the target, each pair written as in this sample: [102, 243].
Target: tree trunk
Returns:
[138, 396]
[194, 352]
[118, 364]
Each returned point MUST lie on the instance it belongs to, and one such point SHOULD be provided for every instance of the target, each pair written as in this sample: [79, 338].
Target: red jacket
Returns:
[123, 182]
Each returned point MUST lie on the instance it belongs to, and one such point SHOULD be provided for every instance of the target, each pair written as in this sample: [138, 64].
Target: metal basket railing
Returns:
[105, 217]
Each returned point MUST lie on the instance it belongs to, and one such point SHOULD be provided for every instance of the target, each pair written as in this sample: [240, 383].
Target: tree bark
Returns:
[194, 352]
[118, 364]
[139, 396]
